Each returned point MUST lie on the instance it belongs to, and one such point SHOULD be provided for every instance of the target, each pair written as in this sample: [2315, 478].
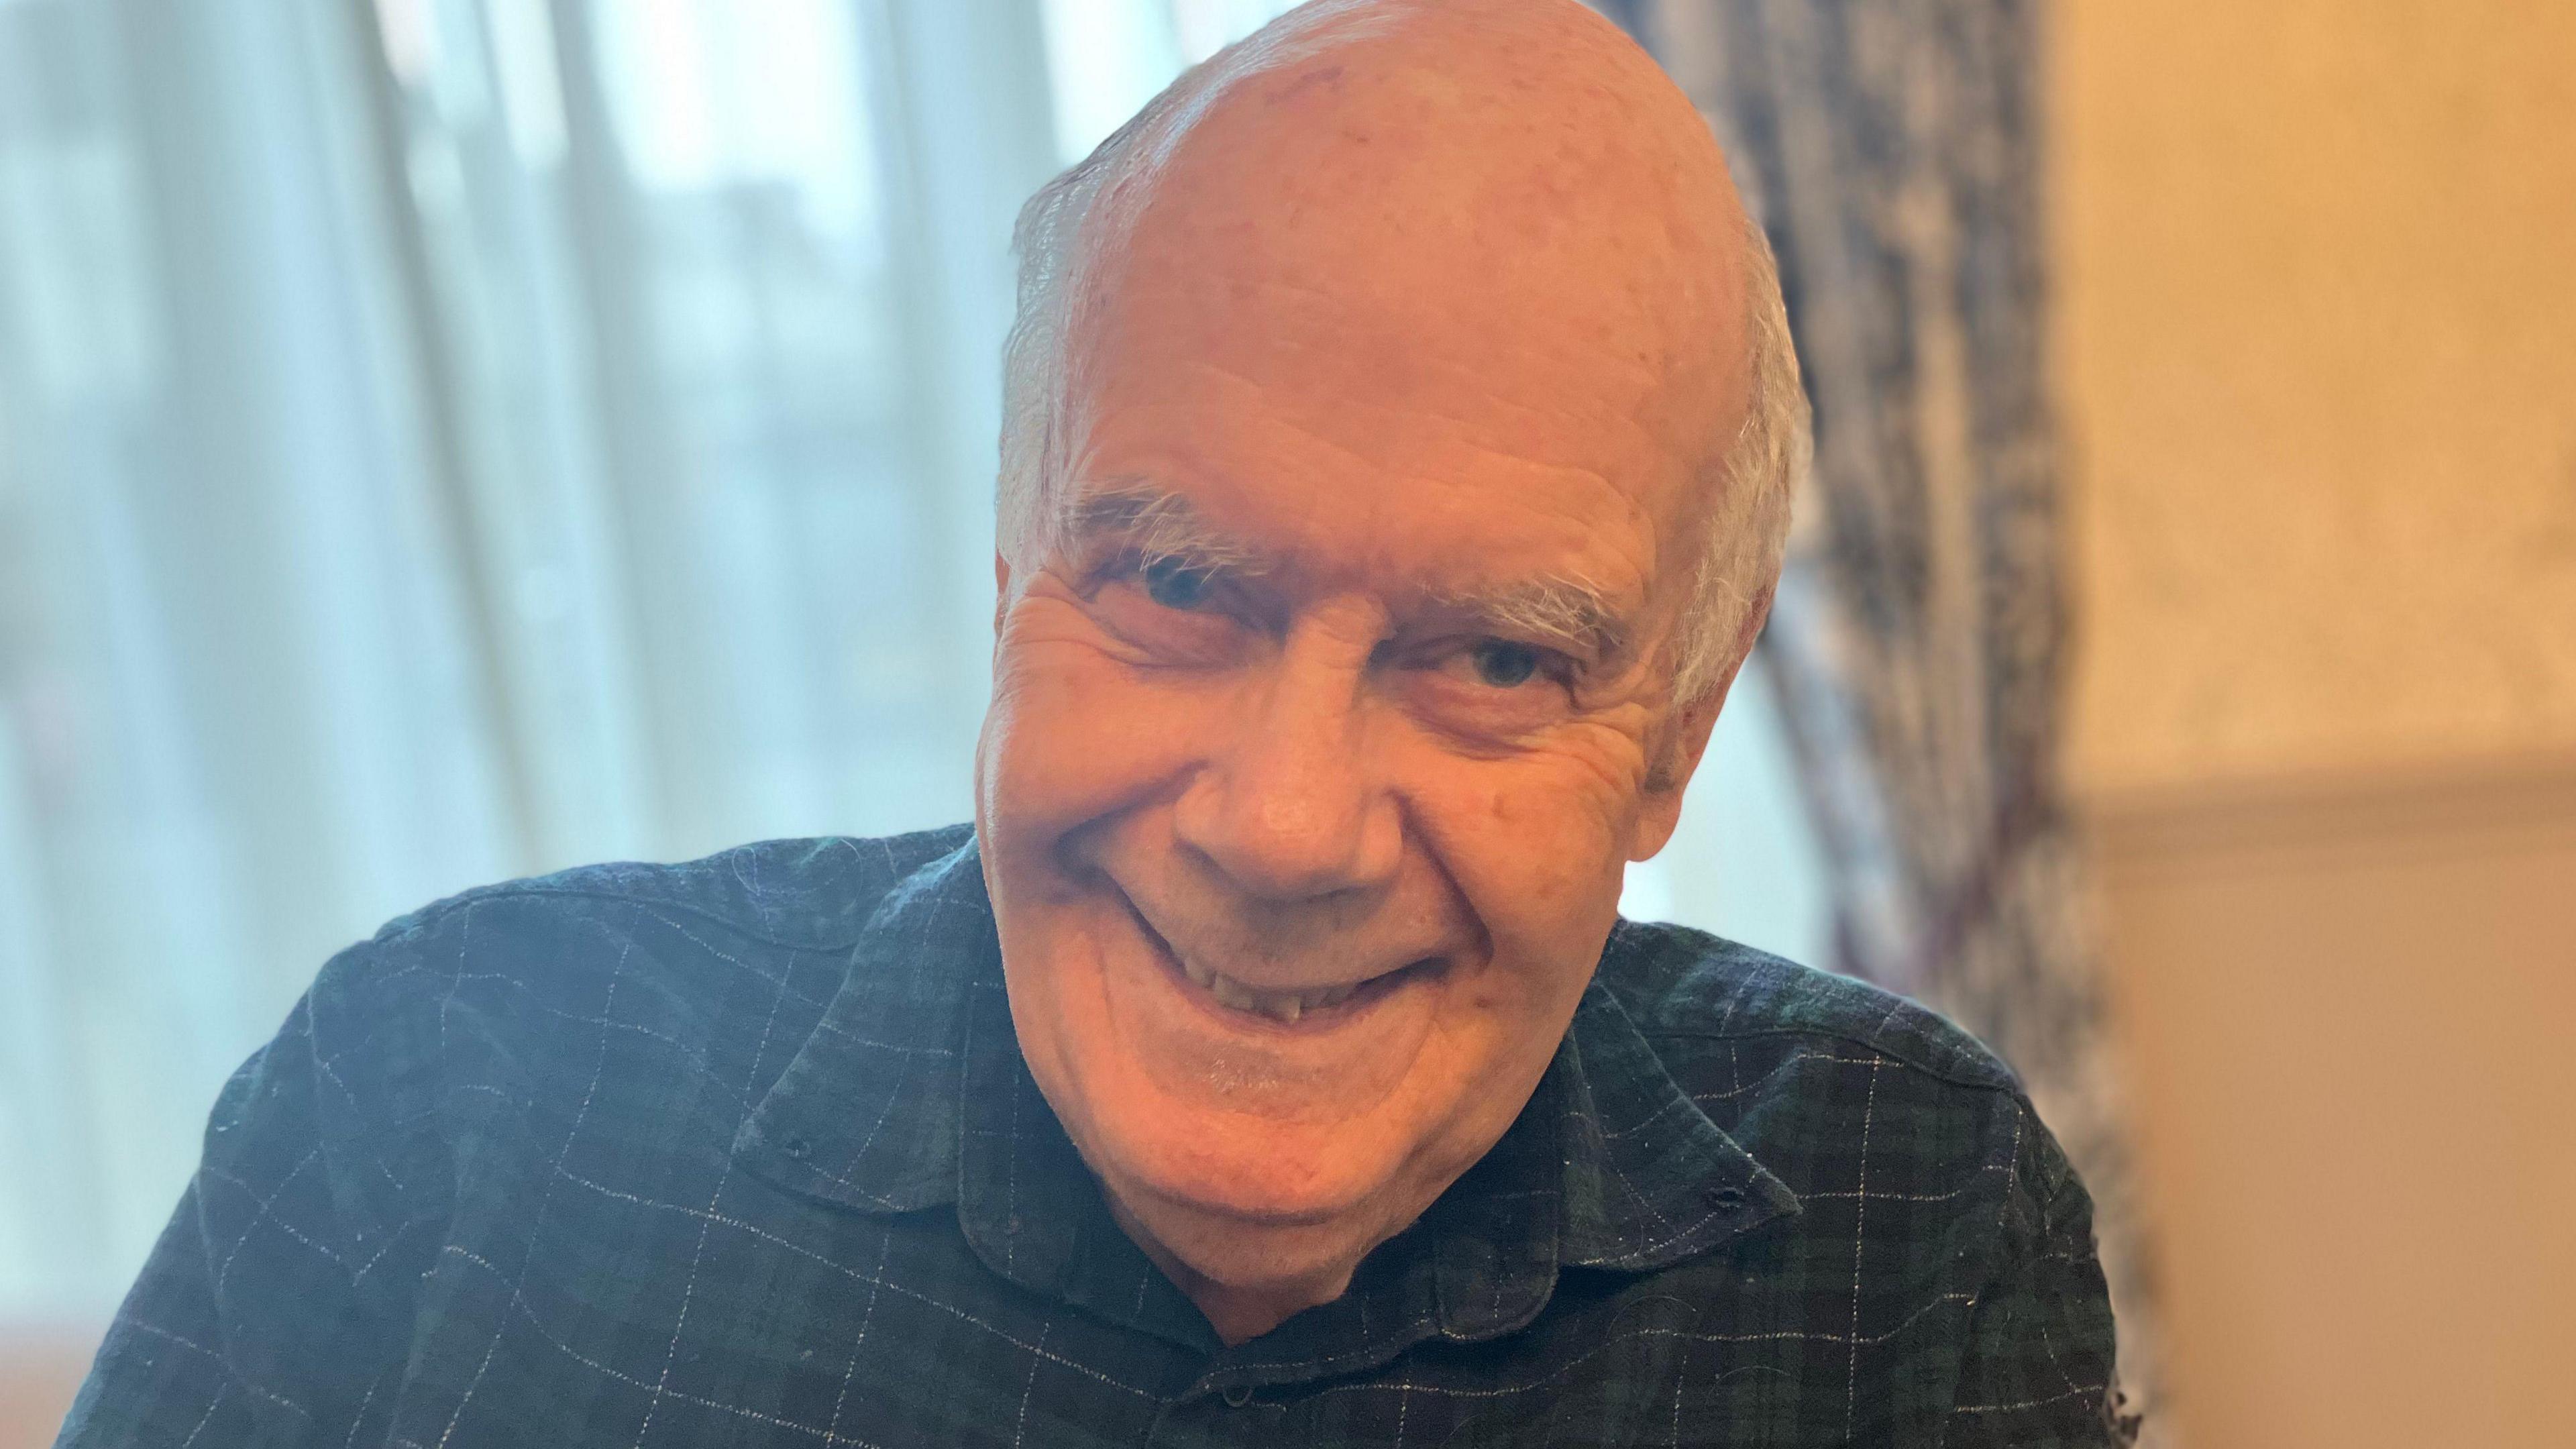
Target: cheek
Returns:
[1073, 734]
[1534, 844]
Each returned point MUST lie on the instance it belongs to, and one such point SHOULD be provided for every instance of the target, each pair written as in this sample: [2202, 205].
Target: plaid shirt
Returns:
[744, 1152]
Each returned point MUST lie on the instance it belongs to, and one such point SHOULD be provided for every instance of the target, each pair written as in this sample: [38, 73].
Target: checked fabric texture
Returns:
[743, 1152]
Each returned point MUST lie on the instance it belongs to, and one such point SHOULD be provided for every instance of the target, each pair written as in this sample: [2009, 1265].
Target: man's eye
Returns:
[1504, 664]
[1175, 585]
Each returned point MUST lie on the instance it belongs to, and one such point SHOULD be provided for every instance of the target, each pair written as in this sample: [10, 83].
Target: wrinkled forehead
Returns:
[1447, 259]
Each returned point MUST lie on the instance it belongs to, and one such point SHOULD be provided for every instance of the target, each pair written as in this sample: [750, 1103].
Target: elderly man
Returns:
[1401, 419]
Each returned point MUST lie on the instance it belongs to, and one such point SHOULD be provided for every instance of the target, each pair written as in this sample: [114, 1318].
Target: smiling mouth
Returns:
[1285, 1007]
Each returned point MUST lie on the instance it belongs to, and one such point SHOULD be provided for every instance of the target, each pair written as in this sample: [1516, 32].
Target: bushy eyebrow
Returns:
[1155, 525]
[1566, 612]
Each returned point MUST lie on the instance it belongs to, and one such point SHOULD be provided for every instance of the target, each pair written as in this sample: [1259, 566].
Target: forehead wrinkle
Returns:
[1470, 434]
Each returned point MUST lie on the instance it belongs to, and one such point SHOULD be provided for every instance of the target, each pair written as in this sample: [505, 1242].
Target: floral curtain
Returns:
[1891, 148]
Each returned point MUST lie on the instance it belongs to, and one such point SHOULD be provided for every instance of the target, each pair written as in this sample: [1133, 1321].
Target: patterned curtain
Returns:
[1892, 148]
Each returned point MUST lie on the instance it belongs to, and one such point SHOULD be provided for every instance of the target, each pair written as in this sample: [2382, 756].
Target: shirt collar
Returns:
[911, 1093]
[867, 1114]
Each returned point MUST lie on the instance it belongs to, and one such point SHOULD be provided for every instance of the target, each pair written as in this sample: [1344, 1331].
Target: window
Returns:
[443, 440]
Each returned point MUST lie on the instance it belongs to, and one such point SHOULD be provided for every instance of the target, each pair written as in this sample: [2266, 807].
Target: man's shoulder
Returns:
[1841, 1089]
[1930, 1214]
[1712, 1006]
[678, 952]
[802, 894]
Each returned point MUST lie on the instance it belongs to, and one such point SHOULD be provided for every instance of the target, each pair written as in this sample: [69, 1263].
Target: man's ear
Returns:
[1659, 810]
[1686, 740]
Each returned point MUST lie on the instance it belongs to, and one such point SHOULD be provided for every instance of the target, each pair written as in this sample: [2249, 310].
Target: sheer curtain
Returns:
[241, 709]
[449, 439]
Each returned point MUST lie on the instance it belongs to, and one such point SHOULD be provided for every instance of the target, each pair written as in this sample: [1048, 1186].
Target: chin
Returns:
[1244, 1244]
[1247, 1171]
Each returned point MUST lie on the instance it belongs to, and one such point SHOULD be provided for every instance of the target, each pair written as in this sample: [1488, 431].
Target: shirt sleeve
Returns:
[275, 1308]
[2039, 1368]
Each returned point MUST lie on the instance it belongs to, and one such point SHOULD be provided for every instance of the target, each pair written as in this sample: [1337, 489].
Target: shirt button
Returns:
[1238, 1396]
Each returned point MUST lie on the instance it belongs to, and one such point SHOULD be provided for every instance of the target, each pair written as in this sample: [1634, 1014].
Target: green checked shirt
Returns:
[744, 1152]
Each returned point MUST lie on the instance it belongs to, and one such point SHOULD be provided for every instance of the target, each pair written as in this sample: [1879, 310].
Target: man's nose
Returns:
[1289, 807]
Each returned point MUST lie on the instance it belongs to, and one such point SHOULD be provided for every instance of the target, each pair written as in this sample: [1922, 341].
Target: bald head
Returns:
[1499, 213]
[1400, 419]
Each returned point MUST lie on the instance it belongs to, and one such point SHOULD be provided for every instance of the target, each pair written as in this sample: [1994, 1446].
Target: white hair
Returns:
[1747, 515]
[1755, 480]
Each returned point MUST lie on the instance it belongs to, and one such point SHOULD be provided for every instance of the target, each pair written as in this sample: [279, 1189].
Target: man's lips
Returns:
[1306, 1008]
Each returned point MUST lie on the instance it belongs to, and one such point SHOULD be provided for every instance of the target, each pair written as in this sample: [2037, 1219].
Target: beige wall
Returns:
[2349, 1015]
[2317, 272]
[2317, 275]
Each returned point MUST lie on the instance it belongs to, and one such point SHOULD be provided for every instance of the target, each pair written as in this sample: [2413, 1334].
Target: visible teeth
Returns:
[1282, 1006]
[1229, 992]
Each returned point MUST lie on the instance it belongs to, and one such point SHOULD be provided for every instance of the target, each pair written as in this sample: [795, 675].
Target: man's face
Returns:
[1317, 754]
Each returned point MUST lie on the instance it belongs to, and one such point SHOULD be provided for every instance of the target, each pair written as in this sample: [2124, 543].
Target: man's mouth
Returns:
[1279, 1006]
[1286, 1006]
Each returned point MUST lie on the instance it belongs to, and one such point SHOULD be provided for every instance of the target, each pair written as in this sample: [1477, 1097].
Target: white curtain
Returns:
[442, 440]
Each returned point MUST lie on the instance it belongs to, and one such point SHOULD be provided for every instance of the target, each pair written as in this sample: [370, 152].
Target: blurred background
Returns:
[443, 440]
